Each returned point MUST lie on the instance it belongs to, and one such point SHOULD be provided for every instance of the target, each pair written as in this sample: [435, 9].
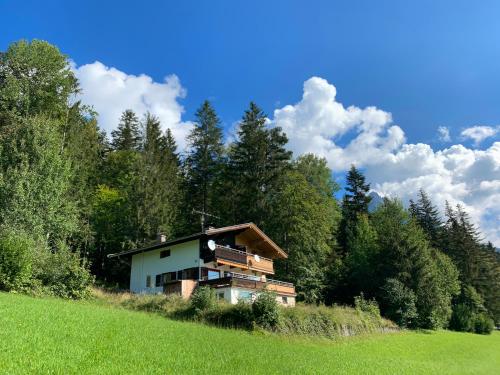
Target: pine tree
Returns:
[361, 262]
[203, 165]
[406, 255]
[462, 243]
[256, 161]
[159, 182]
[127, 137]
[427, 216]
[355, 203]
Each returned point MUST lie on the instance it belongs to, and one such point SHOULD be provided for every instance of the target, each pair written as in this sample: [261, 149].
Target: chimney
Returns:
[161, 238]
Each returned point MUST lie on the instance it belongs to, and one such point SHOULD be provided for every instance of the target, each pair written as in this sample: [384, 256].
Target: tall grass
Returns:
[302, 320]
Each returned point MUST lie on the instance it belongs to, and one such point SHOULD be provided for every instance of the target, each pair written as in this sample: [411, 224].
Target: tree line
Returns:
[69, 196]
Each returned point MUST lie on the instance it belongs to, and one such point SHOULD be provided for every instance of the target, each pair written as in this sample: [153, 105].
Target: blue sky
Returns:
[429, 63]
[387, 75]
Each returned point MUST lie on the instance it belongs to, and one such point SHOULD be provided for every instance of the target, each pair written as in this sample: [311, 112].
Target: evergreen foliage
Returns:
[257, 160]
[127, 136]
[427, 216]
[355, 203]
[305, 224]
[203, 165]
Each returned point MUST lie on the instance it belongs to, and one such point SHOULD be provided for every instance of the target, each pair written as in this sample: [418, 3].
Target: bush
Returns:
[483, 324]
[172, 305]
[400, 302]
[61, 273]
[16, 259]
[462, 318]
[231, 316]
[330, 322]
[203, 300]
[469, 314]
[367, 306]
[266, 311]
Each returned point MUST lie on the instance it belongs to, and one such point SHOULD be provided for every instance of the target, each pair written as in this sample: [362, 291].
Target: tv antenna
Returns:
[203, 214]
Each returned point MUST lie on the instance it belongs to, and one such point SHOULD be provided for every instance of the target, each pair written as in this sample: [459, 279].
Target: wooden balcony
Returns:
[259, 263]
[251, 282]
[242, 259]
[230, 256]
[280, 287]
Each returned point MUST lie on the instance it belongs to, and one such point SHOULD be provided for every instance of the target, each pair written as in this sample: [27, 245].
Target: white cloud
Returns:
[111, 91]
[318, 121]
[368, 138]
[444, 134]
[479, 133]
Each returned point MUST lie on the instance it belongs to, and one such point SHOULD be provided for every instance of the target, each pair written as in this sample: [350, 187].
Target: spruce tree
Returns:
[127, 136]
[158, 182]
[355, 203]
[203, 164]
[256, 161]
[478, 263]
[427, 216]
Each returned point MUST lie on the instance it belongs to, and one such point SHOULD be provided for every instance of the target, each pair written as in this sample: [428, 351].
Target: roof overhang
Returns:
[157, 245]
[250, 230]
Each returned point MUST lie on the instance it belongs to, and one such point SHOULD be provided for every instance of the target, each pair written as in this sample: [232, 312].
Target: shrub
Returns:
[469, 314]
[61, 273]
[231, 316]
[400, 302]
[462, 318]
[368, 306]
[171, 305]
[266, 311]
[203, 300]
[483, 324]
[329, 322]
[16, 258]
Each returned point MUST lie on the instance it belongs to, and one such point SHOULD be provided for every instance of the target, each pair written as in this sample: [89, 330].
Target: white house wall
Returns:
[184, 255]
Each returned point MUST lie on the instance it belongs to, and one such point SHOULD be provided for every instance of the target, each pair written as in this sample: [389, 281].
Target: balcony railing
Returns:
[232, 255]
[234, 279]
[247, 260]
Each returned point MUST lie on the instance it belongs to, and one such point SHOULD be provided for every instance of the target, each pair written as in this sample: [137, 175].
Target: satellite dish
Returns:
[211, 244]
[256, 257]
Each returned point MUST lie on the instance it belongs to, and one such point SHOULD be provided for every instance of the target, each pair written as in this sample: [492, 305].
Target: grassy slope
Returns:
[55, 336]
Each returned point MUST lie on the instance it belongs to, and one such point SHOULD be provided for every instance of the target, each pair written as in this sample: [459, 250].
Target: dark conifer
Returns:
[127, 136]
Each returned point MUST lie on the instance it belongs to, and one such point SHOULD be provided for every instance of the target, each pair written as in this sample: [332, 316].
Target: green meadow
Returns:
[52, 336]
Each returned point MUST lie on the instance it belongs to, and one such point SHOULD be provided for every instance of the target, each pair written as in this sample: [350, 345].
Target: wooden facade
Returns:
[281, 288]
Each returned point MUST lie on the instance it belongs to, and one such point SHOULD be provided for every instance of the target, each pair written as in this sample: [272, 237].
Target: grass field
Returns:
[64, 337]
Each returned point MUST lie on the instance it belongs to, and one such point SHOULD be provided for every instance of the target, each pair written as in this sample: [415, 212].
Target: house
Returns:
[236, 260]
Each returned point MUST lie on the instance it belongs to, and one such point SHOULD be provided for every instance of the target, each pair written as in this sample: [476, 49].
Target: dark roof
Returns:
[158, 245]
[250, 227]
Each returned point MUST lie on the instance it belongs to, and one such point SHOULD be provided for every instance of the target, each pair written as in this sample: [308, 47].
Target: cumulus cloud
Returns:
[479, 133]
[368, 138]
[318, 121]
[111, 91]
[444, 134]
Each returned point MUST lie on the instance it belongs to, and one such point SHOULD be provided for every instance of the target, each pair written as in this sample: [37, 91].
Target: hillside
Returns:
[56, 336]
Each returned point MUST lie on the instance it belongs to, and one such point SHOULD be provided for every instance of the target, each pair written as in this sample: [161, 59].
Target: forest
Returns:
[71, 194]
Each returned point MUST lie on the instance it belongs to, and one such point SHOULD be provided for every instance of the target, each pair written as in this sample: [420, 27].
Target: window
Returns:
[209, 274]
[164, 253]
[244, 295]
[284, 299]
[158, 280]
[170, 276]
[213, 274]
[148, 281]
[220, 296]
[190, 274]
